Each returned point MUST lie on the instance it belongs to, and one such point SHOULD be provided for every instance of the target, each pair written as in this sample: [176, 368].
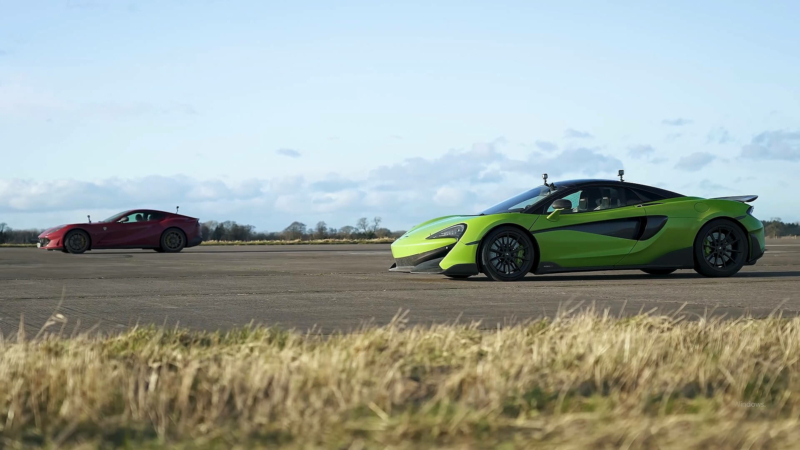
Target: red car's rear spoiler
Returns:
[738, 198]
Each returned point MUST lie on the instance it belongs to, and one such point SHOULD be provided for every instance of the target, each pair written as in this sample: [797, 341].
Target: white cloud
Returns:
[575, 134]
[695, 161]
[290, 152]
[774, 145]
[641, 151]
[679, 122]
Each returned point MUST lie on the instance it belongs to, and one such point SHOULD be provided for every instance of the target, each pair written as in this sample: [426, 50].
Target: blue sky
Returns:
[269, 112]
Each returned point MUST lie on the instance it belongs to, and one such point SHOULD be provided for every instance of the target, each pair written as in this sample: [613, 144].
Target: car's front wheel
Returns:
[76, 242]
[173, 240]
[720, 249]
[507, 254]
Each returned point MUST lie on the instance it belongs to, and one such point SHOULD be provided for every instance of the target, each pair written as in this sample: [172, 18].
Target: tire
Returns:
[507, 254]
[658, 272]
[173, 240]
[77, 242]
[720, 249]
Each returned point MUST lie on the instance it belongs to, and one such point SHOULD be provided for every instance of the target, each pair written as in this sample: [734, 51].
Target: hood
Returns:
[51, 230]
[426, 229]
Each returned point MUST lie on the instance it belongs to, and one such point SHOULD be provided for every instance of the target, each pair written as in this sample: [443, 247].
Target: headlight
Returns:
[456, 231]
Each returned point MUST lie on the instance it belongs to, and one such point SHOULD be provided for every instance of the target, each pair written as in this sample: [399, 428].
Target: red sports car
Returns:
[141, 228]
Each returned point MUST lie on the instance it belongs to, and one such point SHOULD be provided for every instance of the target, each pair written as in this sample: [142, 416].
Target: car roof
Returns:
[593, 182]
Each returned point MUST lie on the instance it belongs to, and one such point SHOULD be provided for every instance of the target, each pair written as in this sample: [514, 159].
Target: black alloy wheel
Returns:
[720, 249]
[507, 254]
[173, 240]
[76, 242]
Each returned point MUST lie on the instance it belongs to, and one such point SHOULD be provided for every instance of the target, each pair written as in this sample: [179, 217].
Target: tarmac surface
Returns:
[342, 287]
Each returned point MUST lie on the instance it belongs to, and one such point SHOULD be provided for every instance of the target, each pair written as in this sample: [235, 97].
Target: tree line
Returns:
[232, 231]
[777, 228]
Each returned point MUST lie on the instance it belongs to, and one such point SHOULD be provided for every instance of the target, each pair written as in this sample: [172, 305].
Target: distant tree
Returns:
[238, 232]
[383, 233]
[321, 230]
[206, 228]
[346, 231]
[3, 228]
[362, 225]
[219, 233]
[376, 223]
[775, 228]
[294, 231]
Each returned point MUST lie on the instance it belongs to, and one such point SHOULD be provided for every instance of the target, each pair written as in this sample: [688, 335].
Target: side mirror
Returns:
[562, 203]
[558, 206]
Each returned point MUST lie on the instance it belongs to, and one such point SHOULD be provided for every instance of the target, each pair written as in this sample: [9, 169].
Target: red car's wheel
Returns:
[173, 240]
[76, 242]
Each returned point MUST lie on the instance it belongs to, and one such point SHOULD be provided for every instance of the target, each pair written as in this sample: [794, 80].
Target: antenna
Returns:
[177, 208]
[620, 174]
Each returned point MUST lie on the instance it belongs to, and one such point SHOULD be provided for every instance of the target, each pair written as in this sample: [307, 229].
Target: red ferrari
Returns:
[141, 228]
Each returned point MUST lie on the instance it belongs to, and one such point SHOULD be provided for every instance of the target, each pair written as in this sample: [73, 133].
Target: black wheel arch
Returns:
[478, 251]
[715, 219]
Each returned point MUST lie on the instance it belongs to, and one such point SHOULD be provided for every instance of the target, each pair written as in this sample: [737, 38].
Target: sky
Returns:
[269, 112]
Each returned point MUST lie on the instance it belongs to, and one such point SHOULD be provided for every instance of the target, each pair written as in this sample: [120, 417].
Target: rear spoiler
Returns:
[738, 198]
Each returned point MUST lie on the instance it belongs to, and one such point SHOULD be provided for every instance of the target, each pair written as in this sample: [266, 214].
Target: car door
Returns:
[128, 231]
[150, 236]
[602, 227]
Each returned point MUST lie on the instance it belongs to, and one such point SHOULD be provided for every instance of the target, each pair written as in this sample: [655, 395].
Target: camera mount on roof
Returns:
[620, 174]
[177, 208]
[552, 186]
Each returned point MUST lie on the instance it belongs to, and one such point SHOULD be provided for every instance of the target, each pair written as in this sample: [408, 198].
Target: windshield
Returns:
[115, 216]
[521, 201]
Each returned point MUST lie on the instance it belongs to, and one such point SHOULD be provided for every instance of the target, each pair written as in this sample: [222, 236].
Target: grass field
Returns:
[570, 382]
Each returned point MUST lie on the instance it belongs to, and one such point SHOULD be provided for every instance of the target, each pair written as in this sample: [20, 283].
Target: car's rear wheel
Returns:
[507, 254]
[76, 242]
[658, 272]
[173, 240]
[720, 249]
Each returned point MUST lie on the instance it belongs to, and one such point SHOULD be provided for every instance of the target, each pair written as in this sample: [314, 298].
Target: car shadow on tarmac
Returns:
[643, 276]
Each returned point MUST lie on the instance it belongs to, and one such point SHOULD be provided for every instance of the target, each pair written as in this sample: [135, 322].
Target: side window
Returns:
[615, 197]
[648, 197]
[600, 198]
[573, 198]
[153, 216]
[133, 218]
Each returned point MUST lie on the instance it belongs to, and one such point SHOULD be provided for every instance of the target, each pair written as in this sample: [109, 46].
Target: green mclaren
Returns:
[585, 225]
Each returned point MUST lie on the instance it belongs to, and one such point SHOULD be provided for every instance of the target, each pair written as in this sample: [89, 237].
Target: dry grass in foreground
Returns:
[572, 382]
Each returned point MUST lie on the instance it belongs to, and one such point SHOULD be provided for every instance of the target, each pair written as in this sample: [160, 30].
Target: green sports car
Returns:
[584, 225]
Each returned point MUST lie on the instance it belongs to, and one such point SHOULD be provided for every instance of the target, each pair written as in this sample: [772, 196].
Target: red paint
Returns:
[137, 234]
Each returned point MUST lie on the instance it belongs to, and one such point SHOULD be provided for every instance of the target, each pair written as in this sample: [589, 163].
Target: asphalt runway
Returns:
[341, 287]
